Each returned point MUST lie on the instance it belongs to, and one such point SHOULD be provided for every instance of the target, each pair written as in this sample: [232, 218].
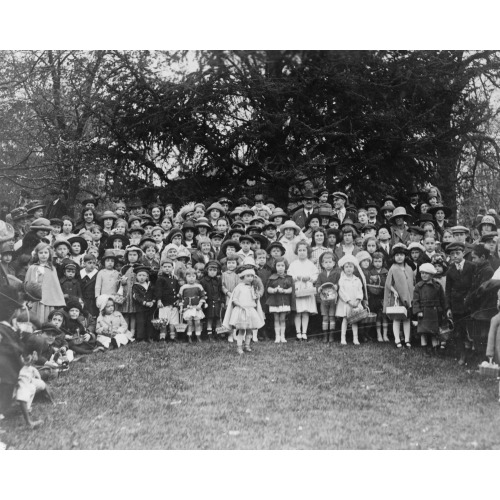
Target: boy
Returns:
[199, 267]
[384, 238]
[328, 275]
[88, 277]
[216, 241]
[212, 285]
[229, 281]
[70, 285]
[135, 235]
[157, 235]
[263, 271]
[151, 260]
[375, 285]
[246, 242]
[143, 295]
[428, 305]
[430, 247]
[166, 289]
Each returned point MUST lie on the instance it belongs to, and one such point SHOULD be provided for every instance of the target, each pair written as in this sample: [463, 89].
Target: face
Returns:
[323, 198]
[205, 247]
[387, 214]
[334, 224]
[62, 251]
[74, 313]
[372, 212]
[120, 211]
[214, 214]
[430, 245]
[135, 224]
[489, 245]
[377, 263]
[308, 203]
[364, 264]
[486, 228]
[314, 224]
[332, 240]
[245, 245]
[261, 260]
[109, 263]
[475, 258]
[447, 237]
[275, 253]
[278, 220]
[191, 278]
[133, 257]
[169, 211]
[57, 320]
[319, 238]
[189, 234]
[302, 252]
[359, 242]
[338, 203]
[348, 239]
[177, 240]
[96, 234]
[108, 223]
[199, 212]
[117, 244]
[56, 229]
[399, 221]
[70, 273]
[383, 234]
[167, 268]
[248, 278]
[89, 265]
[415, 254]
[328, 263]
[414, 237]
[289, 233]
[38, 213]
[147, 229]
[7, 258]
[371, 246]
[42, 234]
[362, 217]
[44, 254]
[151, 252]
[135, 235]
[280, 267]
[166, 224]
[157, 236]
[399, 258]
[271, 232]
[231, 265]
[439, 268]
[172, 253]
[432, 201]
[348, 268]
[414, 199]
[460, 237]
[423, 208]
[142, 277]
[216, 242]
[246, 218]
[212, 271]
[121, 229]
[156, 212]
[440, 215]
[88, 216]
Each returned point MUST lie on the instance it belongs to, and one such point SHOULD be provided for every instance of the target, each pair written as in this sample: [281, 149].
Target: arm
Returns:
[101, 327]
[417, 308]
[98, 284]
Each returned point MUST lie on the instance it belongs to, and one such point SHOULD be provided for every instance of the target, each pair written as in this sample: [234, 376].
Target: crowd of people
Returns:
[240, 272]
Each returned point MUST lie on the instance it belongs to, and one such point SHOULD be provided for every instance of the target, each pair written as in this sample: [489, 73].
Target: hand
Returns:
[490, 358]
[373, 279]
[420, 314]
[124, 280]
[305, 278]
[86, 337]
[396, 295]
[160, 303]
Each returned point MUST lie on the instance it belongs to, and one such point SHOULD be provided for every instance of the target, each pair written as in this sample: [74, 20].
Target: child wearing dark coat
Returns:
[166, 290]
[70, 285]
[428, 305]
[88, 277]
[215, 297]
[143, 295]
[329, 275]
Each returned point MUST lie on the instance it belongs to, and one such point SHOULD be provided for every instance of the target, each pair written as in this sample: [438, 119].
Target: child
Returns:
[41, 278]
[79, 339]
[132, 255]
[212, 285]
[244, 312]
[246, 242]
[399, 286]
[143, 295]
[318, 238]
[166, 291]
[199, 268]
[70, 285]
[157, 235]
[78, 248]
[417, 258]
[376, 284]
[263, 272]
[229, 281]
[62, 250]
[280, 289]
[204, 253]
[350, 296]
[304, 273]
[111, 327]
[192, 296]
[151, 259]
[327, 262]
[428, 305]
[29, 383]
[88, 276]
[108, 278]
[7, 253]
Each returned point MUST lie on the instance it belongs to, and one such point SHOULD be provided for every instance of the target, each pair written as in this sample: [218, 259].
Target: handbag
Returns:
[397, 312]
[357, 314]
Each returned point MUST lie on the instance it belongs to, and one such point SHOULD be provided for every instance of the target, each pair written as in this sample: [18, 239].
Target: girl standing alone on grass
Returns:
[129, 308]
[192, 296]
[304, 274]
[399, 286]
[244, 312]
[280, 290]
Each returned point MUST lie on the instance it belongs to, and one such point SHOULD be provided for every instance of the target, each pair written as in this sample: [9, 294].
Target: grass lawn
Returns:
[293, 396]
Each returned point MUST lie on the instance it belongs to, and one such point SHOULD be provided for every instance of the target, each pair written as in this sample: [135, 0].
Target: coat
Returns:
[280, 299]
[166, 289]
[215, 296]
[300, 217]
[52, 294]
[482, 273]
[429, 299]
[401, 278]
[458, 285]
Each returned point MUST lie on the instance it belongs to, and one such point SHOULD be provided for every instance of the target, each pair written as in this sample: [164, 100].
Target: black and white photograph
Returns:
[250, 249]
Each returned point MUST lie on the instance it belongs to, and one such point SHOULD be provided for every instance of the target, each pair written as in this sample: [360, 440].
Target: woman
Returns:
[156, 213]
[87, 219]
[318, 246]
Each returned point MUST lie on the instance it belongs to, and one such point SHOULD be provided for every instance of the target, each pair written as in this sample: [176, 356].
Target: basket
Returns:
[397, 312]
[305, 292]
[222, 329]
[180, 327]
[370, 319]
[328, 294]
[157, 322]
[445, 332]
[490, 370]
[375, 289]
[119, 299]
[356, 315]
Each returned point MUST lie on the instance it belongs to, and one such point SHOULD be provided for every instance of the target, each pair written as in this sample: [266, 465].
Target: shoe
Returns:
[99, 349]
[461, 361]
[356, 342]
[343, 342]
[230, 338]
[198, 339]
[163, 336]
[380, 339]
[304, 337]
[239, 350]
[174, 339]
[408, 345]
[325, 338]
[298, 337]
[386, 339]
[255, 338]
[278, 339]
[330, 337]
[399, 345]
[247, 348]
[283, 339]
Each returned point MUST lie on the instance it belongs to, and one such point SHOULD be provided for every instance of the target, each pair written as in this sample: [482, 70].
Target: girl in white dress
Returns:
[304, 274]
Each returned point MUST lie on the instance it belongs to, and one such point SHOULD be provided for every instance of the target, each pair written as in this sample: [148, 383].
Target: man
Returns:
[136, 207]
[301, 215]
[372, 211]
[459, 235]
[58, 207]
[413, 208]
[339, 202]
[458, 284]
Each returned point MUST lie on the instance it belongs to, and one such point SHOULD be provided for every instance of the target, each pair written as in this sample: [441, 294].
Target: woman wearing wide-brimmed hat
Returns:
[290, 237]
[398, 228]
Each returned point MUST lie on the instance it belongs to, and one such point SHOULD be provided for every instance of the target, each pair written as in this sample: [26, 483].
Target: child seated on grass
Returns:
[112, 329]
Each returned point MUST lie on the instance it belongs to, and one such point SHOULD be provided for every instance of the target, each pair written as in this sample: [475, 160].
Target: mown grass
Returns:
[293, 396]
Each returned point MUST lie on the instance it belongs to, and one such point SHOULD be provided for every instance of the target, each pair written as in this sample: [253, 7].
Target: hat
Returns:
[113, 237]
[166, 260]
[325, 211]
[308, 195]
[108, 214]
[348, 258]
[257, 219]
[278, 245]
[455, 245]
[247, 211]
[33, 290]
[289, 224]
[109, 253]
[439, 259]
[259, 197]
[7, 247]
[216, 206]
[416, 230]
[135, 203]
[213, 263]
[399, 212]
[88, 257]
[19, 213]
[388, 205]
[40, 224]
[426, 218]
[487, 219]
[246, 270]
[264, 242]
[235, 230]
[78, 239]
[371, 203]
[188, 225]
[6, 231]
[228, 243]
[459, 229]
[278, 212]
[120, 204]
[328, 253]
[339, 194]
[399, 248]
[61, 241]
[132, 248]
[144, 269]
[271, 201]
[225, 199]
[244, 201]
[137, 229]
[436, 208]
[34, 205]
[95, 201]
[183, 253]
[203, 222]
[73, 304]
[246, 237]
[102, 301]
[363, 255]
[253, 230]
[146, 217]
[367, 227]
[347, 222]
[416, 245]
[69, 264]
[414, 190]
[488, 236]
[147, 239]
[268, 225]
[217, 234]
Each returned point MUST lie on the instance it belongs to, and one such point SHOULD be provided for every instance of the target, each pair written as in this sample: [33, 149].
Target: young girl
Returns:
[280, 289]
[376, 286]
[42, 279]
[318, 246]
[399, 285]
[328, 275]
[350, 295]
[108, 278]
[78, 248]
[132, 255]
[229, 282]
[212, 285]
[192, 296]
[244, 312]
[289, 231]
[304, 273]
[111, 327]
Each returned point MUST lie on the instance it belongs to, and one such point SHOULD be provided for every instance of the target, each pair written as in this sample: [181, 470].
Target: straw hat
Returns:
[41, 224]
[399, 212]
[289, 224]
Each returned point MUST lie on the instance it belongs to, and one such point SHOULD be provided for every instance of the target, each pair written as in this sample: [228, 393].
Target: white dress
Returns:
[304, 268]
[249, 314]
[349, 289]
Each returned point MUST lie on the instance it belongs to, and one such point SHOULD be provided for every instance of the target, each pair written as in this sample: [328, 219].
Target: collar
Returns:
[84, 273]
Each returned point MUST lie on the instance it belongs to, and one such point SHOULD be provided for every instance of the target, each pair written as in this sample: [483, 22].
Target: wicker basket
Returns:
[222, 329]
[370, 319]
[157, 322]
[328, 294]
[446, 331]
[180, 327]
[356, 315]
[491, 371]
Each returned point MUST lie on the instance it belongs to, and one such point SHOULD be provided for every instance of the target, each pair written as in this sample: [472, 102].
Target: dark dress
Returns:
[214, 296]
[10, 364]
[283, 301]
[144, 329]
[429, 299]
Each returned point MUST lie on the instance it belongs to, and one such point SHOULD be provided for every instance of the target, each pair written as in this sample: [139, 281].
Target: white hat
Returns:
[427, 268]
[415, 244]
[348, 258]
[245, 272]
[363, 255]
[289, 224]
[101, 301]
